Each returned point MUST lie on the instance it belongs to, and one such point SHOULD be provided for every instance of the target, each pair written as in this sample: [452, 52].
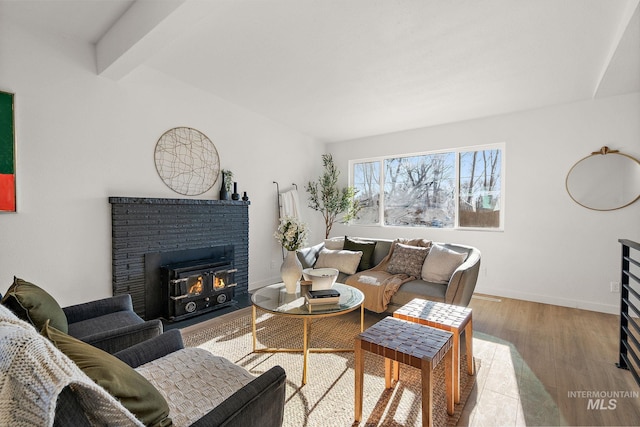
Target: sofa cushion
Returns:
[407, 259]
[440, 264]
[417, 289]
[136, 393]
[334, 243]
[344, 261]
[367, 248]
[31, 303]
[115, 320]
[194, 381]
[383, 247]
[308, 256]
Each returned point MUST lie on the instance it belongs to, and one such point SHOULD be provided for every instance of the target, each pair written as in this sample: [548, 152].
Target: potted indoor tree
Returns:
[326, 197]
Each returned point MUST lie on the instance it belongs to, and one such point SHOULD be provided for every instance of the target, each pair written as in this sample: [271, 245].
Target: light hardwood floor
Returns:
[541, 362]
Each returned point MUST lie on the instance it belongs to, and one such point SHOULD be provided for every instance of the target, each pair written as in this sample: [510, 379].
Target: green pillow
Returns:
[133, 390]
[367, 248]
[33, 304]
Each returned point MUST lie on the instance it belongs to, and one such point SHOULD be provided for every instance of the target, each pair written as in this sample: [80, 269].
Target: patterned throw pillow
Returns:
[407, 259]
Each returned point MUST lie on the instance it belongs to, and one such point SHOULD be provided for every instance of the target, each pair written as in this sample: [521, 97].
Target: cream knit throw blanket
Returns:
[377, 285]
[34, 372]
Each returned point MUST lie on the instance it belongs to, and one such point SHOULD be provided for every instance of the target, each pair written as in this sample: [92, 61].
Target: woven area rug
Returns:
[328, 397]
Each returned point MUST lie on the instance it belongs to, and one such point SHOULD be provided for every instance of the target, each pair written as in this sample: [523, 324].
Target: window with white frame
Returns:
[446, 189]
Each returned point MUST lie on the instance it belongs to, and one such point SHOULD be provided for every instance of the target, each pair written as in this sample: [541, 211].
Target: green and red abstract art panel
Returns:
[7, 154]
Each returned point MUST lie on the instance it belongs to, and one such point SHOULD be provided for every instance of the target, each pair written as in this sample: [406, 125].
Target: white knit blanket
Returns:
[34, 372]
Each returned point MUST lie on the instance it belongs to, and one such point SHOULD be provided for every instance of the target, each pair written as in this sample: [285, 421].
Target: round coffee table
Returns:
[275, 299]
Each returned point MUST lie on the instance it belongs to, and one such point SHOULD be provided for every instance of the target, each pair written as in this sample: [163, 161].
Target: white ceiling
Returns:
[344, 69]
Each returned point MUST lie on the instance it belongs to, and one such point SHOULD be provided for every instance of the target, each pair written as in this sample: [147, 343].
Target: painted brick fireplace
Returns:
[145, 227]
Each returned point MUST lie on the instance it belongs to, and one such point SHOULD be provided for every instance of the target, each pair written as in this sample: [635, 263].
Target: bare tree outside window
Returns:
[366, 179]
[421, 190]
[480, 187]
[418, 190]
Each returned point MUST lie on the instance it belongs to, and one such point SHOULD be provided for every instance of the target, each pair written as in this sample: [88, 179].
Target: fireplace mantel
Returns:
[142, 225]
[160, 201]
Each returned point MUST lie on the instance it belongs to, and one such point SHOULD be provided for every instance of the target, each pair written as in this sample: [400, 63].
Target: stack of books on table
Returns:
[322, 298]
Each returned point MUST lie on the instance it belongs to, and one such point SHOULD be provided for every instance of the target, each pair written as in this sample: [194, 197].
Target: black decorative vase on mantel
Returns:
[235, 195]
[224, 194]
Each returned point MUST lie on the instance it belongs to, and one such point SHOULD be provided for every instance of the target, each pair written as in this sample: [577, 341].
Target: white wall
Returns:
[81, 138]
[552, 250]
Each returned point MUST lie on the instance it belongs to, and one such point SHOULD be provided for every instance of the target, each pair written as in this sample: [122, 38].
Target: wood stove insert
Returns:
[196, 287]
[182, 284]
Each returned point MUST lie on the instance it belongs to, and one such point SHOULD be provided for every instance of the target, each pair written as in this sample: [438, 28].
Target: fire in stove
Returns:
[218, 283]
[196, 287]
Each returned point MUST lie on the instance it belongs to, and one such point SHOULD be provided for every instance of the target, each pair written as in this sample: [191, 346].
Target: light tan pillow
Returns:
[344, 261]
[334, 244]
[440, 264]
[407, 259]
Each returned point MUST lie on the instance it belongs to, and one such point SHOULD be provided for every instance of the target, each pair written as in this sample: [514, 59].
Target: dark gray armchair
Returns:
[110, 324]
[259, 403]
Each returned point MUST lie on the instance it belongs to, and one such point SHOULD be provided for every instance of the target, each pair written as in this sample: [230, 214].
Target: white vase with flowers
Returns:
[292, 235]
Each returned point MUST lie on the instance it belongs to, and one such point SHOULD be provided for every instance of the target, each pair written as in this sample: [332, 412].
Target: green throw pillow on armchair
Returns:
[34, 305]
[133, 390]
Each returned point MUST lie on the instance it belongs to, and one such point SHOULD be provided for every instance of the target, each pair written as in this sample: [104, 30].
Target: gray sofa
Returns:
[458, 290]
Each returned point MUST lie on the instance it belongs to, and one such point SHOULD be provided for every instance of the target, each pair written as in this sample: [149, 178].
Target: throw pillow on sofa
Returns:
[133, 390]
[344, 261]
[334, 243]
[367, 249]
[309, 256]
[407, 259]
[33, 304]
[440, 264]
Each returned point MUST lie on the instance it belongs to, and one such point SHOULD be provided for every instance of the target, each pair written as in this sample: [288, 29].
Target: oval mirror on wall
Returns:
[604, 181]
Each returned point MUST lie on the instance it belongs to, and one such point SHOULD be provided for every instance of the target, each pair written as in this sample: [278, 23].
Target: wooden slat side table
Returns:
[451, 318]
[410, 343]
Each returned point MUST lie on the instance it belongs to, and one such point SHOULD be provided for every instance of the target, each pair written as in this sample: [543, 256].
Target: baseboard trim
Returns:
[545, 299]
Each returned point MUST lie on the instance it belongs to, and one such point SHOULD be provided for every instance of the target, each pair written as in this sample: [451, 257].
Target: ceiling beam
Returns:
[624, 48]
[141, 31]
